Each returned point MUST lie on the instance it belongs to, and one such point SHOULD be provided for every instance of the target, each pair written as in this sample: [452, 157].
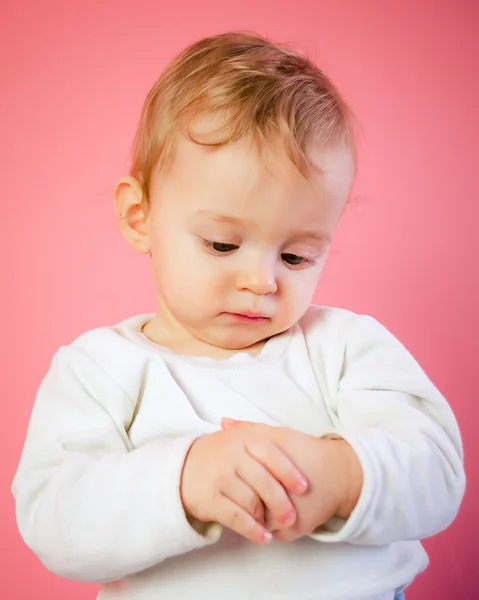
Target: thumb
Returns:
[227, 423]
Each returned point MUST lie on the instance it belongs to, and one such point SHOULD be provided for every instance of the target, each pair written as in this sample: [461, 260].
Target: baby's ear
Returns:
[131, 211]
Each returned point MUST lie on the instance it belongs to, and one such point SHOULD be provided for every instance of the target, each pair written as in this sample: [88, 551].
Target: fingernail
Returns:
[266, 537]
[289, 518]
[302, 485]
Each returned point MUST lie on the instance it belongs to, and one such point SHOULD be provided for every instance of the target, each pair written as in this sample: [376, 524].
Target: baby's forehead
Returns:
[250, 159]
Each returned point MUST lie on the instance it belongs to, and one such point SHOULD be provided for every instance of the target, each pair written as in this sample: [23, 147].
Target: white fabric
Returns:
[97, 488]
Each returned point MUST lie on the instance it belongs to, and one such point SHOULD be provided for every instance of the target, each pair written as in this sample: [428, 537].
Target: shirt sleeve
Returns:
[405, 436]
[88, 504]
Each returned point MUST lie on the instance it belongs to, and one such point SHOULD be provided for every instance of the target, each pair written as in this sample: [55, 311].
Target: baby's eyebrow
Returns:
[222, 218]
[321, 236]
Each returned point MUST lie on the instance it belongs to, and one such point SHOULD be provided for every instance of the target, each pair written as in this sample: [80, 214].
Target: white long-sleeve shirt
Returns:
[97, 488]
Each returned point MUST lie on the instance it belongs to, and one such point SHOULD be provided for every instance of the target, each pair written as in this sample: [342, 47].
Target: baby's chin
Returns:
[242, 341]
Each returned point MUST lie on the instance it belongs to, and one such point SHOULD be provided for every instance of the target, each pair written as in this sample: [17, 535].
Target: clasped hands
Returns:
[264, 482]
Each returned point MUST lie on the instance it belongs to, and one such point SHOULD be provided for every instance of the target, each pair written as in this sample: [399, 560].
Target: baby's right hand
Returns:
[231, 476]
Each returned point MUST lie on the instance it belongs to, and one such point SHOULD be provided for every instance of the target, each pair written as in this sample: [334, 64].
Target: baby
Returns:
[240, 442]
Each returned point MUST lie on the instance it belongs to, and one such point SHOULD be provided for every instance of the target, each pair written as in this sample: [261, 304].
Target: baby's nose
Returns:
[259, 278]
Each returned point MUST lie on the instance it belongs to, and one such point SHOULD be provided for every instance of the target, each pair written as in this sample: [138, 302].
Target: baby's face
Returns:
[238, 242]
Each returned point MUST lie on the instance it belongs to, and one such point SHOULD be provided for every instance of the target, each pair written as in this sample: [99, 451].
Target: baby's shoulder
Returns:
[340, 336]
[108, 351]
[112, 341]
[328, 322]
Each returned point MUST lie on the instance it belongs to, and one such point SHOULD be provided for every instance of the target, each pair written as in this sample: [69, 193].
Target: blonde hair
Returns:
[263, 90]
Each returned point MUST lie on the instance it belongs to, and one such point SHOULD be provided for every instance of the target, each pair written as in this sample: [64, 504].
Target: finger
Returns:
[239, 520]
[279, 465]
[272, 524]
[236, 490]
[228, 423]
[271, 492]
[285, 535]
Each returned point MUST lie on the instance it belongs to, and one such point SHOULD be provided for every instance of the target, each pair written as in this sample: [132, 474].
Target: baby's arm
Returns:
[89, 505]
[405, 437]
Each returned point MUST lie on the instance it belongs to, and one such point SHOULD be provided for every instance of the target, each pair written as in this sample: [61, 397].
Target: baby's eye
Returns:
[292, 259]
[220, 247]
[295, 261]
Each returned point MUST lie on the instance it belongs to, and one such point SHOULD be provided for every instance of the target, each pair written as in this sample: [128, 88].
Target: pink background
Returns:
[73, 77]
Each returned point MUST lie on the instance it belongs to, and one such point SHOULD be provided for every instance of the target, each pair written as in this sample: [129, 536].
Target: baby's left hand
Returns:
[333, 472]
